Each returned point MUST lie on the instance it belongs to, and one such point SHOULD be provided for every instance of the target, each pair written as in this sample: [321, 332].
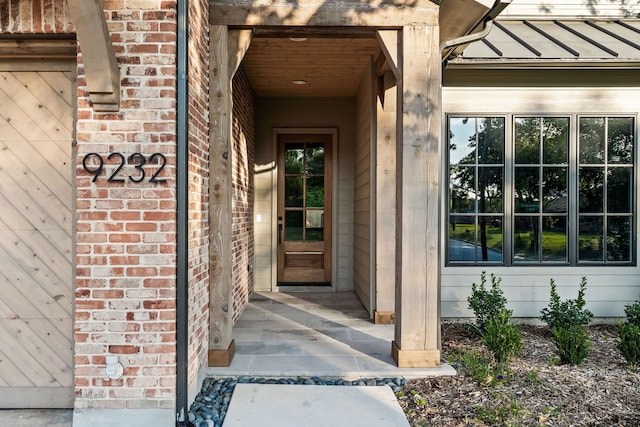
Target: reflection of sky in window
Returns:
[462, 129]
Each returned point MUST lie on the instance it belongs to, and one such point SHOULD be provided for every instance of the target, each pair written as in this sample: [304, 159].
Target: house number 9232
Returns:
[94, 163]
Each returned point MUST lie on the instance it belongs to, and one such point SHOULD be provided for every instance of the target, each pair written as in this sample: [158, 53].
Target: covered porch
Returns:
[358, 88]
[327, 334]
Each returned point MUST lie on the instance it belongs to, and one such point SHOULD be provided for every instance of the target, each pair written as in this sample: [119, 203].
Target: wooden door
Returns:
[36, 217]
[304, 209]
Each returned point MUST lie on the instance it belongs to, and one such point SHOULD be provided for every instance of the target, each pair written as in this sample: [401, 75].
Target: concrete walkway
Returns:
[319, 333]
[36, 417]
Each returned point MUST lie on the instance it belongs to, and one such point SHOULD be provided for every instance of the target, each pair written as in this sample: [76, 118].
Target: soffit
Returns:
[535, 43]
[331, 66]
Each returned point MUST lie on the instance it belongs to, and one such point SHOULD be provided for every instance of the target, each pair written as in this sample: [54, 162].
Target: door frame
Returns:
[334, 209]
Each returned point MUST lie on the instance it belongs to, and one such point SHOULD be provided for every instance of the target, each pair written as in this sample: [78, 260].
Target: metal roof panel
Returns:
[564, 42]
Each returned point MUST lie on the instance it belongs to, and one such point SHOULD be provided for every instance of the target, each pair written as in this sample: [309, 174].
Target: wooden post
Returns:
[417, 323]
[221, 346]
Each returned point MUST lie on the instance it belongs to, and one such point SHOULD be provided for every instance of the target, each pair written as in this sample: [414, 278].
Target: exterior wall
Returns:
[571, 8]
[126, 232]
[243, 192]
[527, 288]
[362, 215]
[304, 113]
[35, 16]
[198, 236]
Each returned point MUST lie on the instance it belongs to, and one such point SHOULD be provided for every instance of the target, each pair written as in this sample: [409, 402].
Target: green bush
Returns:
[572, 344]
[486, 303]
[569, 313]
[629, 344]
[502, 338]
[633, 313]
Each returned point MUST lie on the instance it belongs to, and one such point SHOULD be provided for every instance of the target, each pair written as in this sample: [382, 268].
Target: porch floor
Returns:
[314, 334]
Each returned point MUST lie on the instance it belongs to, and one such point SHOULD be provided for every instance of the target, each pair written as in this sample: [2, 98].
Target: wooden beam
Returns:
[40, 48]
[385, 13]
[220, 151]
[239, 41]
[417, 327]
[388, 40]
[98, 56]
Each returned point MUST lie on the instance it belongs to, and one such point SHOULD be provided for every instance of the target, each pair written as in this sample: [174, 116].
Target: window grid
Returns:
[616, 222]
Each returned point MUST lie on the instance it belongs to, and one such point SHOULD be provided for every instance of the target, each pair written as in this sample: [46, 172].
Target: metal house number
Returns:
[94, 163]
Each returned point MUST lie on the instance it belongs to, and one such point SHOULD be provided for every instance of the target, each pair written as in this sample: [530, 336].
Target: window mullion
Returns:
[573, 218]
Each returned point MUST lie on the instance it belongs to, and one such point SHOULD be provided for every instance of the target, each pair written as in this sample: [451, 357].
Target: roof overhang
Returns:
[580, 44]
[98, 56]
[460, 18]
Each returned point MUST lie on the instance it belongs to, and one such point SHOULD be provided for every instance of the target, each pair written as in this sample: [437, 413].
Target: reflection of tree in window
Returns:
[476, 158]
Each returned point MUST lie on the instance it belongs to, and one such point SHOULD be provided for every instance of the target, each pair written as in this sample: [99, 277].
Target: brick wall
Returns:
[198, 187]
[34, 16]
[243, 191]
[125, 239]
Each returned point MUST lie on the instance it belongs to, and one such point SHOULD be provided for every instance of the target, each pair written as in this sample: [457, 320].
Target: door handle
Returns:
[279, 234]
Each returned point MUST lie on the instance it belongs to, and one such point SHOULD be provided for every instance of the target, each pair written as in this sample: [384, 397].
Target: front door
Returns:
[304, 209]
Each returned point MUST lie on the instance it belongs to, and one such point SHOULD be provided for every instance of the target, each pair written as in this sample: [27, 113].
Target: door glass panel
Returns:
[314, 225]
[315, 159]
[293, 191]
[315, 192]
[293, 158]
[293, 221]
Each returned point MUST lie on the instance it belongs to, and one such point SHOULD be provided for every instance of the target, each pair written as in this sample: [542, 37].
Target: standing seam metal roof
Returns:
[529, 41]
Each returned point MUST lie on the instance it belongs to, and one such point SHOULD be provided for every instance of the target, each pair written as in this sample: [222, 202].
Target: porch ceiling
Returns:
[331, 67]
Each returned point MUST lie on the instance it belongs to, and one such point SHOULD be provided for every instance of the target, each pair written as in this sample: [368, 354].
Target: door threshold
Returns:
[304, 287]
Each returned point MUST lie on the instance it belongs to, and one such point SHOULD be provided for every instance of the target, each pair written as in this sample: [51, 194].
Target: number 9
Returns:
[93, 170]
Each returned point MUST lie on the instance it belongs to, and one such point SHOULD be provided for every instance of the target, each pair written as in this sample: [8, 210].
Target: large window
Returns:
[541, 190]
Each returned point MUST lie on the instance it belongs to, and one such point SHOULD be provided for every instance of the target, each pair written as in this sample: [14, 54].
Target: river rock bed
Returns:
[211, 404]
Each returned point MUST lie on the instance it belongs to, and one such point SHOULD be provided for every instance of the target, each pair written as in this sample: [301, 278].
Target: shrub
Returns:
[502, 338]
[486, 303]
[629, 344]
[633, 313]
[569, 313]
[572, 344]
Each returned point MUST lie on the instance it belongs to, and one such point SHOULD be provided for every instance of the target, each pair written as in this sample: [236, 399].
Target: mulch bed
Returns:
[535, 391]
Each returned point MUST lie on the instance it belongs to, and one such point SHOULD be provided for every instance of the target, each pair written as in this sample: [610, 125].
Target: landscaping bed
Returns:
[534, 390]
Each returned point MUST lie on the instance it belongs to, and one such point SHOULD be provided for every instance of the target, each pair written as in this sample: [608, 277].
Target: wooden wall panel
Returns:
[36, 284]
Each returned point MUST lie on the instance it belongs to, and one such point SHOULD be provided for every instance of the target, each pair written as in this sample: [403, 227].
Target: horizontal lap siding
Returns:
[362, 194]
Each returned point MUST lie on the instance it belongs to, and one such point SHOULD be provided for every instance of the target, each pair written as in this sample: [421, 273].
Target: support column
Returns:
[227, 50]
[417, 323]
[221, 346]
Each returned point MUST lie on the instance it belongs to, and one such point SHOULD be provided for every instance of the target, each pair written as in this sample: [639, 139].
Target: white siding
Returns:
[572, 8]
[362, 193]
[527, 288]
